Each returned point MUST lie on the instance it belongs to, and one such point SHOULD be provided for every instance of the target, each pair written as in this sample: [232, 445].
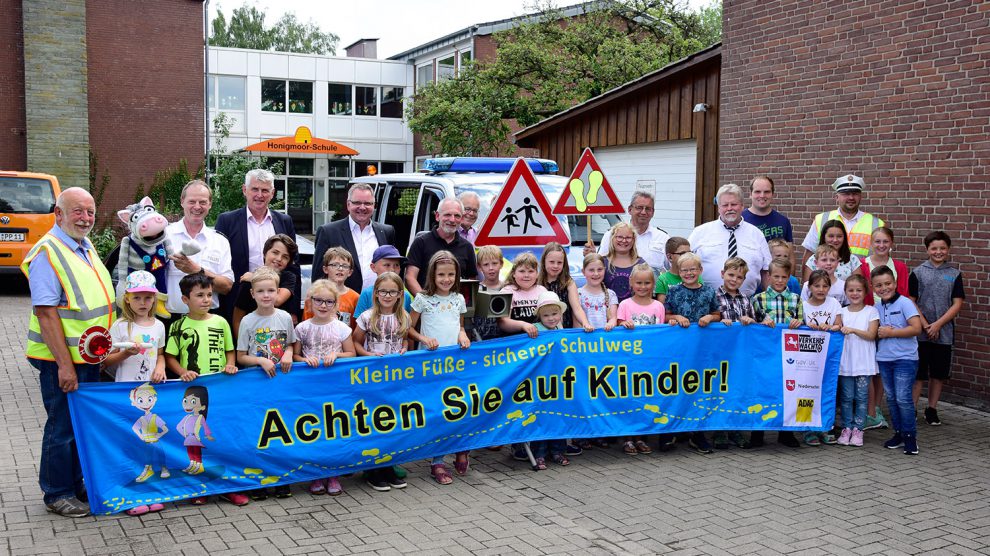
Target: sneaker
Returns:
[844, 437]
[317, 487]
[259, 494]
[237, 499]
[642, 447]
[376, 480]
[699, 443]
[827, 437]
[520, 455]
[573, 450]
[875, 421]
[856, 438]
[721, 440]
[811, 439]
[910, 445]
[149, 473]
[629, 448]
[69, 507]
[895, 441]
[667, 442]
[931, 417]
[393, 480]
[399, 471]
[788, 439]
[333, 486]
[283, 491]
[739, 440]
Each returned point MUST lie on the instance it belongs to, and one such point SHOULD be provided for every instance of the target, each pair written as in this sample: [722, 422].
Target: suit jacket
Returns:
[338, 234]
[233, 225]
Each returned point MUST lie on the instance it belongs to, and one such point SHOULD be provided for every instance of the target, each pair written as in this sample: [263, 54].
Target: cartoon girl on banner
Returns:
[149, 428]
[195, 402]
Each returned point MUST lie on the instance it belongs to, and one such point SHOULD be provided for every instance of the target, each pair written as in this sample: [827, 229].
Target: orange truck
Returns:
[27, 212]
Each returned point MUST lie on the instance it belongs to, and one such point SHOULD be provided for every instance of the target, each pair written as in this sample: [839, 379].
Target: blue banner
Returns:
[225, 433]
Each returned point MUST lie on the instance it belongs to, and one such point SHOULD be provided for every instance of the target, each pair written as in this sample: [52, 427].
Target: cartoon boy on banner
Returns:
[150, 428]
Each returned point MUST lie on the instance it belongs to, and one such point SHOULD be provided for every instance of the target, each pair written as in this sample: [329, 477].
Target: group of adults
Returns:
[71, 290]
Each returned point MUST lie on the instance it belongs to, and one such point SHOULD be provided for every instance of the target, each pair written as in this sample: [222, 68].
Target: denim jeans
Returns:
[854, 390]
[61, 475]
[544, 448]
[898, 380]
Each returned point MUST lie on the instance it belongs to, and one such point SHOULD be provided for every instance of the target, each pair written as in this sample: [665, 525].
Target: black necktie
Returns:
[732, 240]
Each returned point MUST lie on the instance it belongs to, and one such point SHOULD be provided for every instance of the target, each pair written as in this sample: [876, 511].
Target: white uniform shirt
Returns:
[710, 241]
[365, 242]
[214, 256]
[258, 233]
[651, 245]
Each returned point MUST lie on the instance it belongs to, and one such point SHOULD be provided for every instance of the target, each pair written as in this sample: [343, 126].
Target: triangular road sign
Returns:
[588, 190]
[521, 214]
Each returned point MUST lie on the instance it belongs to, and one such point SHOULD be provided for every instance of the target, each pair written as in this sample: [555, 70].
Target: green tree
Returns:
[229, 169]
[549, 63]
[247, 29]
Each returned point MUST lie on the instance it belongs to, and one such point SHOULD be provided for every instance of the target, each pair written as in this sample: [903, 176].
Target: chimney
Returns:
[362, 48]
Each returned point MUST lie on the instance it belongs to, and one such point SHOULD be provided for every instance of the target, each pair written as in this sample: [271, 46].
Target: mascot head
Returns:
[146, 225]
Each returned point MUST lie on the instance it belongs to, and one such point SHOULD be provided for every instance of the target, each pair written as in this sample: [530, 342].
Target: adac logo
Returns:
[803, 343]
[804, 407]
[790, 385]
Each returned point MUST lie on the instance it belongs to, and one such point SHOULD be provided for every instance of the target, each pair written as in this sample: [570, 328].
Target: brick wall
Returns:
[13, 144]
[145, 90]
[895, 91]
[55, 90]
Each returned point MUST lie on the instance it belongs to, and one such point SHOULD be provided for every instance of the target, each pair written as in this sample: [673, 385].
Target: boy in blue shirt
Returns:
[897, 357]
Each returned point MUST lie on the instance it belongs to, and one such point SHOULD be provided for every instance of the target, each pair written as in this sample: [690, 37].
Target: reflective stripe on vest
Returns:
[860, 236]
[88, 295]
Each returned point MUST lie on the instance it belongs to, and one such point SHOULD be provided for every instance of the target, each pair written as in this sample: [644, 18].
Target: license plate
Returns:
[11, 236]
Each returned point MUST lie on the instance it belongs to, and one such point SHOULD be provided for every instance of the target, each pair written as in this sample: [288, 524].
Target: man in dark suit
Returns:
[356, 233]
[248, 229]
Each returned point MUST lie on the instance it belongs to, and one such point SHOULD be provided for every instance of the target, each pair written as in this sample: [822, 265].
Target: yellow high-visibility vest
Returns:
[88, 291]
[860, 234]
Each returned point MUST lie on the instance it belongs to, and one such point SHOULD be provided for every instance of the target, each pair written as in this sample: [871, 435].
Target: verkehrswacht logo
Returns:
[803, 342]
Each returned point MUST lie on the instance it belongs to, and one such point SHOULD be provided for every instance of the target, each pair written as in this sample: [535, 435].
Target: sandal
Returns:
[560, 459]
[643, 447]
[140, 510]
[440, 473]
[629, 448]
[541, 465]
[319, 486]
[461, 466]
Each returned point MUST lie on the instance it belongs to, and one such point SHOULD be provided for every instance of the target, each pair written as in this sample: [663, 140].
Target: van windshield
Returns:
[26, 196]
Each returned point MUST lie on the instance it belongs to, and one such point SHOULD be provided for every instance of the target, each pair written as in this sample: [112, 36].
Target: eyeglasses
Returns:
[388, 293]
[324, 302]
[338, 266]
[644, 208]
[365, 204]
[471, 210]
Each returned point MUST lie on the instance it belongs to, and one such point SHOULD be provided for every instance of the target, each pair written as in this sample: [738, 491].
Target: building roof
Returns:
[713, 52]
[489, 28]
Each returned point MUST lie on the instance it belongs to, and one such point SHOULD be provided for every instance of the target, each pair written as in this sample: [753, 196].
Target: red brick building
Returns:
[895, 91]
[119, 78]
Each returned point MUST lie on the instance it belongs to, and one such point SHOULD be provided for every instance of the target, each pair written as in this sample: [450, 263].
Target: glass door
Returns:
[321, 204]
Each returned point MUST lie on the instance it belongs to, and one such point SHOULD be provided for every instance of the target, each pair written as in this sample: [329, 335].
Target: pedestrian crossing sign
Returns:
[520, 214]
[588, 190]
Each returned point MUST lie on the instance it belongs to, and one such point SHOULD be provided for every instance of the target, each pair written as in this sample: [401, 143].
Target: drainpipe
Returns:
[206, 87]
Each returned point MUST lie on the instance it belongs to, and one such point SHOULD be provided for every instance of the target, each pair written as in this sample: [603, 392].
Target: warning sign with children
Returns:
[521, 214]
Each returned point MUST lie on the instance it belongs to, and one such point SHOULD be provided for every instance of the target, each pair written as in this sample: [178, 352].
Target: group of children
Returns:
[868, 304]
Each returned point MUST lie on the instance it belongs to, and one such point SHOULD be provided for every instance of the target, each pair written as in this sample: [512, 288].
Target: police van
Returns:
[409, 201]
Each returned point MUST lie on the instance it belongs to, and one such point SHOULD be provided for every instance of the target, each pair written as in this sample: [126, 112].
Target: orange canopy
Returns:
[302, 142]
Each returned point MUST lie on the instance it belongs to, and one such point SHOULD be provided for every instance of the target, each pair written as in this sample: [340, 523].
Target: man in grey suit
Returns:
[356, 233]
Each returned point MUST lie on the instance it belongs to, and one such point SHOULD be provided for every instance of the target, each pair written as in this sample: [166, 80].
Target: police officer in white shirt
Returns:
[731, 236]
[214, 256]
[650, 241]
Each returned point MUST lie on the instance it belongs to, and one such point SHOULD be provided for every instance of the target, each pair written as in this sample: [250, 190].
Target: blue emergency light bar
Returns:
[486, 165]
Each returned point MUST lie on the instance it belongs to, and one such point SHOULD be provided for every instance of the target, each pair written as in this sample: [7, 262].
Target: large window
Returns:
[226, 92]
[391, 102]
[365, 101]
[340, 99]
[424, 75]
[298, 101]
[446, 68]
[465, 59]
[272, 95]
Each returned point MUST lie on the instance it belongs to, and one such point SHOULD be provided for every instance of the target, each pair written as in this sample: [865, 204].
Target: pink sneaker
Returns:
[857, 438]
[844, 437]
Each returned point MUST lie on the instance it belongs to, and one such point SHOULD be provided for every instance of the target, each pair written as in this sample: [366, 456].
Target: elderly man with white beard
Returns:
[731, 236]
[445, 236]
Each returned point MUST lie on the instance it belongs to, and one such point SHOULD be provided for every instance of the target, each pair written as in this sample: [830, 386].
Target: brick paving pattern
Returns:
[775, 500]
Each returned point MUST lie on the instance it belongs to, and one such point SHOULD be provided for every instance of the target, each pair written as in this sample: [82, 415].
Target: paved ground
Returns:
[828, 500]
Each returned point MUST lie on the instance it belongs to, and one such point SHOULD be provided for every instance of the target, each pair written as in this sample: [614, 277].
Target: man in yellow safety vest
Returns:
[859, 225]
[68, 336]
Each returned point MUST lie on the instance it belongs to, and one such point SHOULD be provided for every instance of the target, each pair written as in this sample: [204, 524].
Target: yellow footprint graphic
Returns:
[269, 480]
[252, 471]
[661, 420]
[755, 408]
[770, 415]
[515, 414]
[383, 459]
[651, 407]
[595, 179]
[577, 191]
[529, 420]
[371, 452]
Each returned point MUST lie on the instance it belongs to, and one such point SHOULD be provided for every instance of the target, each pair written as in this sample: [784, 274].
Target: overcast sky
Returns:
[398, 24]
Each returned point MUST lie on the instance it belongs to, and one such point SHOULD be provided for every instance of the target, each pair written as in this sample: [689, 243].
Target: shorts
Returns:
[934, 360]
